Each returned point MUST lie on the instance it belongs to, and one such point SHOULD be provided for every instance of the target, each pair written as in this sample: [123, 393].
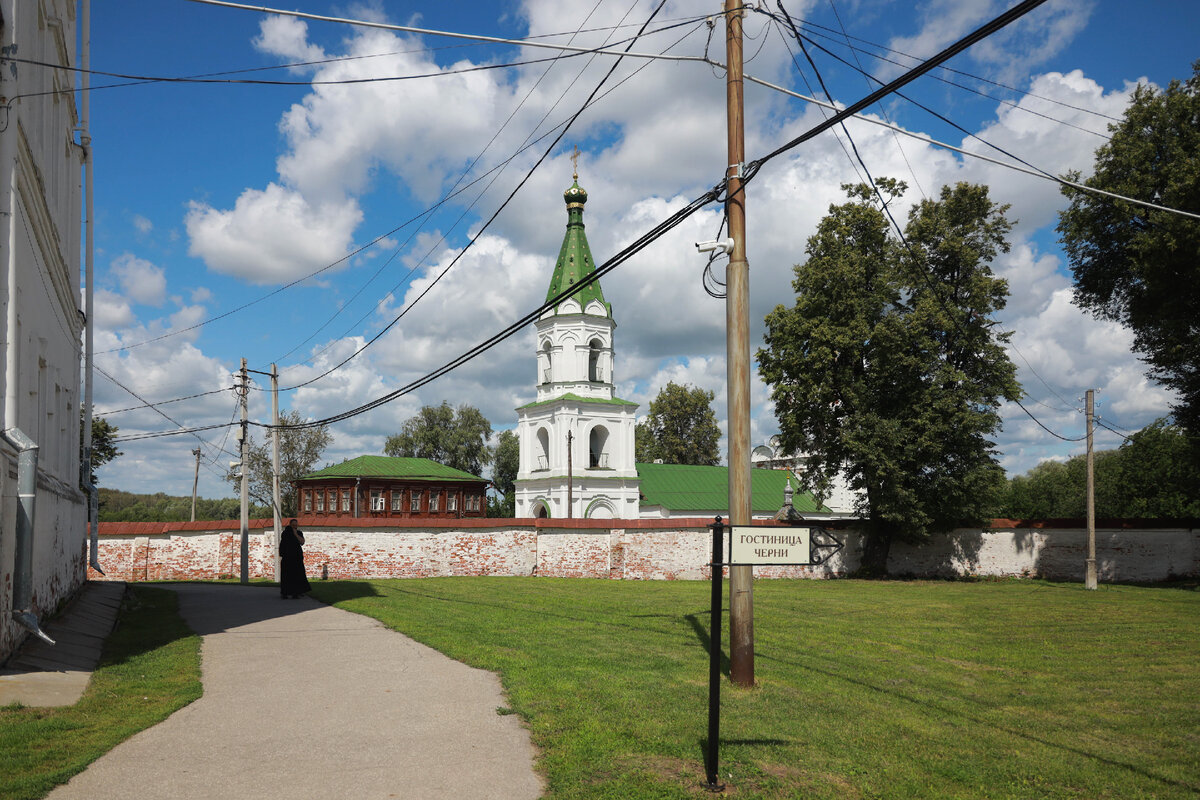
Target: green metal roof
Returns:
[685, 487]
[575, 257]
[571, 396]
[420, 469]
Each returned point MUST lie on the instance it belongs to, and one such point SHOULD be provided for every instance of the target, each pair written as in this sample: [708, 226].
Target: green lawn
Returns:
[865, 689]
[150, 668]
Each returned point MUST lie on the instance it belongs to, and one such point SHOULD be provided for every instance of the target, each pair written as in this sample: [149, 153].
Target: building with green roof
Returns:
[391, 488]
[686, 490]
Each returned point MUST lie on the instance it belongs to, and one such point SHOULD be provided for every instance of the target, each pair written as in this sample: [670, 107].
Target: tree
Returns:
[1139, 266]
[680, 429]
[299, 451]
[506, 463]
[456, 438]
[887, 369]
[104, 449]
[1148, 476]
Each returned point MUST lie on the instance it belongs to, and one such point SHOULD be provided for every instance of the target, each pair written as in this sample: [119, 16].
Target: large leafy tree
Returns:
[457, 438]
[680, 429]
[887, 367]
[507, 461]
[300, 450]
[1141, 266]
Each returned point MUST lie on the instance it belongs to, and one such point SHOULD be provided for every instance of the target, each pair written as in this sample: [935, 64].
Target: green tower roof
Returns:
[575, 258]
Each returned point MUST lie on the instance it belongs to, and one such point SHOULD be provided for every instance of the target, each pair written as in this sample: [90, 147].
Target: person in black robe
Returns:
[292, 580]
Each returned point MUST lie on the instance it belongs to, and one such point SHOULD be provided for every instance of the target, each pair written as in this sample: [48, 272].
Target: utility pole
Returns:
[275, 466]
[1089, 578]
[737, 354]
[570, 501]
[244, 390]
[195, 482]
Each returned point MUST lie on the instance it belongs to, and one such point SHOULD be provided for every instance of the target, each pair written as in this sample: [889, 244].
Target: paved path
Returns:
[302, 700]
[41, 674]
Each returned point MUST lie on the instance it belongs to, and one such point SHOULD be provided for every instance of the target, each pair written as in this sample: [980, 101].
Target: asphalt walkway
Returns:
[303, 700]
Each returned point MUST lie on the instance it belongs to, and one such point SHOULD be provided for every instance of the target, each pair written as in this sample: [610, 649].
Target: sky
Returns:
[394, 179]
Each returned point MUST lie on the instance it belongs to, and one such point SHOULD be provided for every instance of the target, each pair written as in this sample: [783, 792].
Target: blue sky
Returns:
[211, 196]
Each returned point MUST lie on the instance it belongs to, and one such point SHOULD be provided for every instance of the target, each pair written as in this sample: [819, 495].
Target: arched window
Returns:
[543, 362]
[594, 348]
[598, 448]
[543, 450]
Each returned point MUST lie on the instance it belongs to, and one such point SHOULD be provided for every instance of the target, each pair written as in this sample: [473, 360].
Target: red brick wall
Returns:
[644, 549]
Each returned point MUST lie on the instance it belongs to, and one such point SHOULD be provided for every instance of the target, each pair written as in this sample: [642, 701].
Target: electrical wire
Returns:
[882, 108]
[886, 210]
[810, 24]
[466, 171]
[149, 404]
[360, 249]
[163, 414]
[134, 79]
[482, 229]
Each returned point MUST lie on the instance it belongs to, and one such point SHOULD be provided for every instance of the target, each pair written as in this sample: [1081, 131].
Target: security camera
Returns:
[720, 245]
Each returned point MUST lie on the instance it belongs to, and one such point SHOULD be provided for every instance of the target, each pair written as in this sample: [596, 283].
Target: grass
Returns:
[149, 669]
[1017, 689]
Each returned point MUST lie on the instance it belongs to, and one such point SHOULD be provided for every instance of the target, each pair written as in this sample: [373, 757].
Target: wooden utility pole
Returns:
[737, 355]
[1089, 578]
[242, 453]
[275, 466]
[195, 482]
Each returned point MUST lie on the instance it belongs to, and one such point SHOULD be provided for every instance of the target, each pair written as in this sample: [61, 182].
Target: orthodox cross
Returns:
[575, 163]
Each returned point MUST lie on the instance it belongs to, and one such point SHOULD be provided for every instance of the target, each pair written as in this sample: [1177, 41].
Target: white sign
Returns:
[750, 545]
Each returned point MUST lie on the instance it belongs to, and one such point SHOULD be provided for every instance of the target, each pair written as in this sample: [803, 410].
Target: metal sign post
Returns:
[749, 546]
[714, 664]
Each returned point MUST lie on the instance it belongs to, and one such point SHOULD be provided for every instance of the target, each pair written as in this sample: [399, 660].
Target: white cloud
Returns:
[142, 224]
[142, 281]
[273, 235]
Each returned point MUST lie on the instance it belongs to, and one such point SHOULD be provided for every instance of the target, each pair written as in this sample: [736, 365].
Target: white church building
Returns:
[576, 438]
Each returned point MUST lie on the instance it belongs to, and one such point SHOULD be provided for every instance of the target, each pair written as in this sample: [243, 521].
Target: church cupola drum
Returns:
[576, 438]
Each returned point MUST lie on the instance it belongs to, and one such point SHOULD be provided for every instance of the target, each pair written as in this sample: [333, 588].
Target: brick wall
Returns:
[641, 549]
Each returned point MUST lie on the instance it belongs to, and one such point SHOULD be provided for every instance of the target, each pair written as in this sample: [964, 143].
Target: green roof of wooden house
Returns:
[417, 469]
[686, 487]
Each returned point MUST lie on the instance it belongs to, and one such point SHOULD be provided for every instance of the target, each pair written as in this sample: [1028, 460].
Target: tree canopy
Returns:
[887, 367]
[104, 449]
[1148, 476]
[1141, 266]
[681, 428]
[506, 460]
[457, 438]
[300, 450]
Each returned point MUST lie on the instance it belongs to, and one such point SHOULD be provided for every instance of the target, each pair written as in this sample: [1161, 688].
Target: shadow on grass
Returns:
[945, 711]
[706, 641]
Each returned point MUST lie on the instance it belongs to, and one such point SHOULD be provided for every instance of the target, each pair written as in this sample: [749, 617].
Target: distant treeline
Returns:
[118, 506]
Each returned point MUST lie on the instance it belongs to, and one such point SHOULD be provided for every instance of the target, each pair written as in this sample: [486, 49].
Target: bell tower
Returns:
[576, 438]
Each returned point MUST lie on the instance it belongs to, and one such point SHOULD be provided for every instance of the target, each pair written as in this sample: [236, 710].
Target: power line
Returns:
[587, 103]
[364, 247]
[148, 404]
[163, 414]
[1037, 173]
[449, 34]
[751, 170]
[903, 239]
[466, 171]
[138, 80]
[944, 68]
